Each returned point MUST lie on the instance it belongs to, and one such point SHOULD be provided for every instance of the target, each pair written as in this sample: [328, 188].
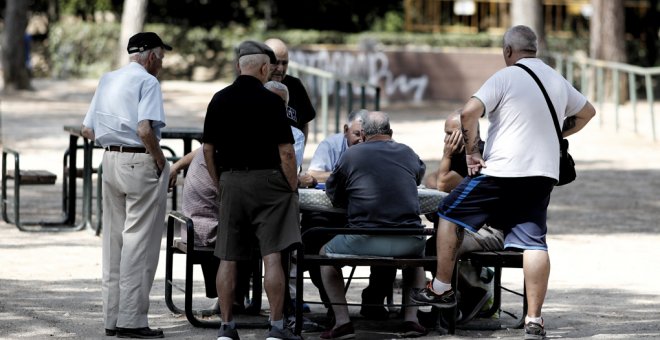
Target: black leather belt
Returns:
[132, 149]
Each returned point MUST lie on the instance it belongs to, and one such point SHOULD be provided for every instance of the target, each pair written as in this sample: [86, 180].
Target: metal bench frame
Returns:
[496, 259]
[194, 255]
[20, 178]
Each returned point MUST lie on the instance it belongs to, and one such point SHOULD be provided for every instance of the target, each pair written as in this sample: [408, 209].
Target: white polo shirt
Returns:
[123, 98]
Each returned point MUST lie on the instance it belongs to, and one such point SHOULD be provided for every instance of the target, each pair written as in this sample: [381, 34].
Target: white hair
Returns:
[141, 57]
[278, 87]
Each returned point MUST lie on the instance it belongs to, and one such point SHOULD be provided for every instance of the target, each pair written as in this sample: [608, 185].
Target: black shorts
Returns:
[517, 206]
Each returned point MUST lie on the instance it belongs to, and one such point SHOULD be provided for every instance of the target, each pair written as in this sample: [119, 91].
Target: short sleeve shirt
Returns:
[522, 140]
[301, 109]
[124, 98]
[246, 123]
[377, 182]
[200, 203]
[328, 152]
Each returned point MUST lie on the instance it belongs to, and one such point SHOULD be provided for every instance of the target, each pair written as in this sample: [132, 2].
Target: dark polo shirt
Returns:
[246, 123]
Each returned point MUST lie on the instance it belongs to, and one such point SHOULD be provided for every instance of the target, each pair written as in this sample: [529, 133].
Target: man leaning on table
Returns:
[325, 158]
[257, 183]
[125, 118]
[376, 181]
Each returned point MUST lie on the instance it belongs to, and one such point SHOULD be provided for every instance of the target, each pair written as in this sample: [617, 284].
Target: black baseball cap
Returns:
[145, 41]
[254, 47]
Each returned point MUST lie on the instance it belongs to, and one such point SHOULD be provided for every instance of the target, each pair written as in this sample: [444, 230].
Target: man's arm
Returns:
[472, 111]
[87, 132]
[181, 164]
[288, 160]
[321, 176]
[581, 119]
[146, 134]
[209, 157]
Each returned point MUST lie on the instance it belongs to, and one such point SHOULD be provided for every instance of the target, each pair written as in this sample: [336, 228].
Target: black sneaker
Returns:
[534, 331]
[427, 296]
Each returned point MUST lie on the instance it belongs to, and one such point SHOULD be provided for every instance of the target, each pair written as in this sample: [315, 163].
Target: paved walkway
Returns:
[603, 229]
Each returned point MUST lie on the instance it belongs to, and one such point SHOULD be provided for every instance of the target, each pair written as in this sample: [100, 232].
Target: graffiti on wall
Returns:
[371, 67]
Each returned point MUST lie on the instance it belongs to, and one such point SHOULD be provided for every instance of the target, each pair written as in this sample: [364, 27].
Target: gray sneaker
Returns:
[226, 333]
[534, 331]
[427, 296]
[275, 333]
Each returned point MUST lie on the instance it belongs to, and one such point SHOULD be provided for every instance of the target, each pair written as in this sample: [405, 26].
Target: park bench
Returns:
[195, 255]
[496, 259]
[21, 177]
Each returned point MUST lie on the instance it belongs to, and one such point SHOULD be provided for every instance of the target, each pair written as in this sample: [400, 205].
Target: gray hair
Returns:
[356, 116]
[279, 88]
[252, 61]
[520, 38]
[141, 57]
[376, 123]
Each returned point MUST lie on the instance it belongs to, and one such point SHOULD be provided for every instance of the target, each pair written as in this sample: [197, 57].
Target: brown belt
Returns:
[126, 149]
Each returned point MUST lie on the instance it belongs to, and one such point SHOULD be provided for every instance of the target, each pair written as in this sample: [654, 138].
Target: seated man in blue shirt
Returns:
[325, 158]
[376, 181]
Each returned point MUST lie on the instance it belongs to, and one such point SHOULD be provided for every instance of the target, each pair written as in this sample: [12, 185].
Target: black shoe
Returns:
[427, 296]
[110, 332]
[140, 333]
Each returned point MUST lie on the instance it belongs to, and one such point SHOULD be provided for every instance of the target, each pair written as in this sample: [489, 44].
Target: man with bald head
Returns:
[300, 109]
[450, 171]
[257, 183]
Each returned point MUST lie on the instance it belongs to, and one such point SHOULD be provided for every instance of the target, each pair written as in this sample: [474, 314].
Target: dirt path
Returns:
[604, 231]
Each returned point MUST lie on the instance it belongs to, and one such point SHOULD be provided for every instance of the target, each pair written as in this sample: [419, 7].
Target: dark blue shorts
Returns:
[517, 206]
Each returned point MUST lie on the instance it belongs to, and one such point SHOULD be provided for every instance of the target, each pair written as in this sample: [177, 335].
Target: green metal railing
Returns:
[330, 91]
[584, 68]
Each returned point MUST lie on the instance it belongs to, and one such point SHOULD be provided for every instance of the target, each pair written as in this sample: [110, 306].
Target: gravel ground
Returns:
[603, 228]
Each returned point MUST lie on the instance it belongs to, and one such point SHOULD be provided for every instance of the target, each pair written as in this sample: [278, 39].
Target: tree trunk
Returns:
[608, 42]
[14, 46]
[651, 33]
[132, 21]
[530, 14]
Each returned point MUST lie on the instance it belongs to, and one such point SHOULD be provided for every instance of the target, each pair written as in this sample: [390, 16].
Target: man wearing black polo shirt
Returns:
[300, 110]
[257, 182]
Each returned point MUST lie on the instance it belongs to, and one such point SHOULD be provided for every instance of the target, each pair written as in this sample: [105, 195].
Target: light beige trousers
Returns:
[134, 201]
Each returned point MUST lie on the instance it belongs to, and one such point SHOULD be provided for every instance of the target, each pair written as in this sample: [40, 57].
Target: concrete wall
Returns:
[410, 75]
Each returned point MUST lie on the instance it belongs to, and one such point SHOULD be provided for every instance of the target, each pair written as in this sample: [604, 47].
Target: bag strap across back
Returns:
[547, 99]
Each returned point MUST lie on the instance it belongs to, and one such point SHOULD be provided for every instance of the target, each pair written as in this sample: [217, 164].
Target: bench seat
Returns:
[496, 259]
[33, 177]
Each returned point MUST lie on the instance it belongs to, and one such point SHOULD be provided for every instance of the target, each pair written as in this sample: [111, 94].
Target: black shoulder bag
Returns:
[566, 164]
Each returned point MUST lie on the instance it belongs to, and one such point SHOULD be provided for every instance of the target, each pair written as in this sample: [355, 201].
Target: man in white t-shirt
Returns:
[509, 186]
